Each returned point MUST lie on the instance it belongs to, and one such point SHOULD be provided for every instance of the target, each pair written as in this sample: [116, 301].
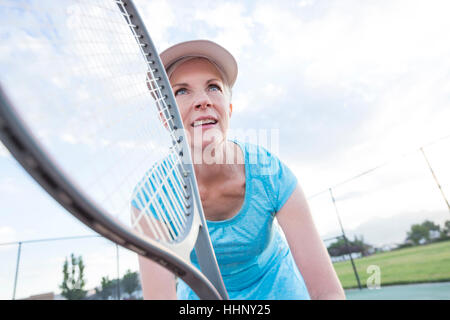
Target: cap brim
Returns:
[206, 49]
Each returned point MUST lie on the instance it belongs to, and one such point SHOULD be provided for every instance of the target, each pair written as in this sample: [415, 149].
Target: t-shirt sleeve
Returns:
[280, 180]
[284, 185]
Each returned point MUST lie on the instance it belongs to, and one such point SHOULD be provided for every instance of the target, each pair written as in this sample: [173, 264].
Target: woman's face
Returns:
[203, 101]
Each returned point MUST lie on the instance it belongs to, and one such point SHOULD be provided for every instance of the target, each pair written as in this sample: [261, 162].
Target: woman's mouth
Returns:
[204, 123]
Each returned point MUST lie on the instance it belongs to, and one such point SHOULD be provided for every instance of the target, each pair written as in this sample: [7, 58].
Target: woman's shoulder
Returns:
[251, 147]
[260, 160]
[275, 176]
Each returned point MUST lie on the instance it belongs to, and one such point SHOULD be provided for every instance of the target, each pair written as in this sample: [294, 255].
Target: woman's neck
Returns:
[218, 162]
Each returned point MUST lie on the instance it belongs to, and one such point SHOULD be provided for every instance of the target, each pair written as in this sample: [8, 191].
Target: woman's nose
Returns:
[202, 101]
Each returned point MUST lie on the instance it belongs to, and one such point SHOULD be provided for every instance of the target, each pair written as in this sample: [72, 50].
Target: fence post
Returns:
[435, 178]
[17, 270]
[118, 274]
[345, 240]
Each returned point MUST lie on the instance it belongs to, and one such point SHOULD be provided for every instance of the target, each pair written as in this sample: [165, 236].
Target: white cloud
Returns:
[3, 151]
[306, 3]
[375, 56]
[69, 138]
[9, 186]
[233, 25]
[7, 234]
[351, 42]
[227, 23]
[257, 99]
[273, 90]
[159, 16]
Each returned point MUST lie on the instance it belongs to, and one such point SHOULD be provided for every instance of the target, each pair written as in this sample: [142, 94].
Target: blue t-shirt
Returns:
[253, 255]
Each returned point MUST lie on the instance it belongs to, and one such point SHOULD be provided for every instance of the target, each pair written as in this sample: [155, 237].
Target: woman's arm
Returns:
[157, 282]
[307, 248]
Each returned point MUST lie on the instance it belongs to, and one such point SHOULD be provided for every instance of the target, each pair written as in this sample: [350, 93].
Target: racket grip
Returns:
[204, 251]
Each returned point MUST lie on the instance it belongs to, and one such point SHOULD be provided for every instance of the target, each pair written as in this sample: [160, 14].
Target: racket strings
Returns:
[165, 209]
[169, 207]
[101, 111]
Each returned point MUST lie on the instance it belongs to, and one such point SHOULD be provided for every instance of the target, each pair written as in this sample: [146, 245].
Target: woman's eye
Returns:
[214, 87]
[180, 91]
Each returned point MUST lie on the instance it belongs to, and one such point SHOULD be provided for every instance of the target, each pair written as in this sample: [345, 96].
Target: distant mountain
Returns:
[388, 231]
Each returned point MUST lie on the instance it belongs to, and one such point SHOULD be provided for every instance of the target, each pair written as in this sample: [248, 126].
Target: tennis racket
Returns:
[87, 109]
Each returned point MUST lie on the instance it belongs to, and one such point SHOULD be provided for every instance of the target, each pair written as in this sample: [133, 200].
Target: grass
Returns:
[426, 263]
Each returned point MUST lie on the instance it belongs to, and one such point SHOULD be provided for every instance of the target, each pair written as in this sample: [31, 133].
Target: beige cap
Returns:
[215, 53]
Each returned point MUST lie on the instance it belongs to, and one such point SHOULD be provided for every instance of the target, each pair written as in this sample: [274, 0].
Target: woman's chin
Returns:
[206, 139]
[205, 144]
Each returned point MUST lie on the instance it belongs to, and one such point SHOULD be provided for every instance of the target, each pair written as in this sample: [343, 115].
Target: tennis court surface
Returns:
[422, 291]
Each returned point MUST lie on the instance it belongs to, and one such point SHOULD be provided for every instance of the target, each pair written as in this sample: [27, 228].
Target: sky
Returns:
[346, 85]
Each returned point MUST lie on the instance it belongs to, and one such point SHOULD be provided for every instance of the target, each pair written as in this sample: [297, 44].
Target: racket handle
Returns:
[204, 251]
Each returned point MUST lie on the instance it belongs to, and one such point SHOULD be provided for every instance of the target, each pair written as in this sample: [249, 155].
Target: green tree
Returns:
[73, 279]
[431, 226]
[447, 226]
[130, 283]
[421, 232]
[340, 247]
[106, 290]
[445, 232]
[361, 246]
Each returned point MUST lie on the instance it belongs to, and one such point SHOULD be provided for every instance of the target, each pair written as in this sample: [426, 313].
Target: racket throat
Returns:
[204, 250]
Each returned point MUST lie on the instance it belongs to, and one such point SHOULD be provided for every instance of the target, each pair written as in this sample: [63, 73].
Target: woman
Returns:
[260, 225]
